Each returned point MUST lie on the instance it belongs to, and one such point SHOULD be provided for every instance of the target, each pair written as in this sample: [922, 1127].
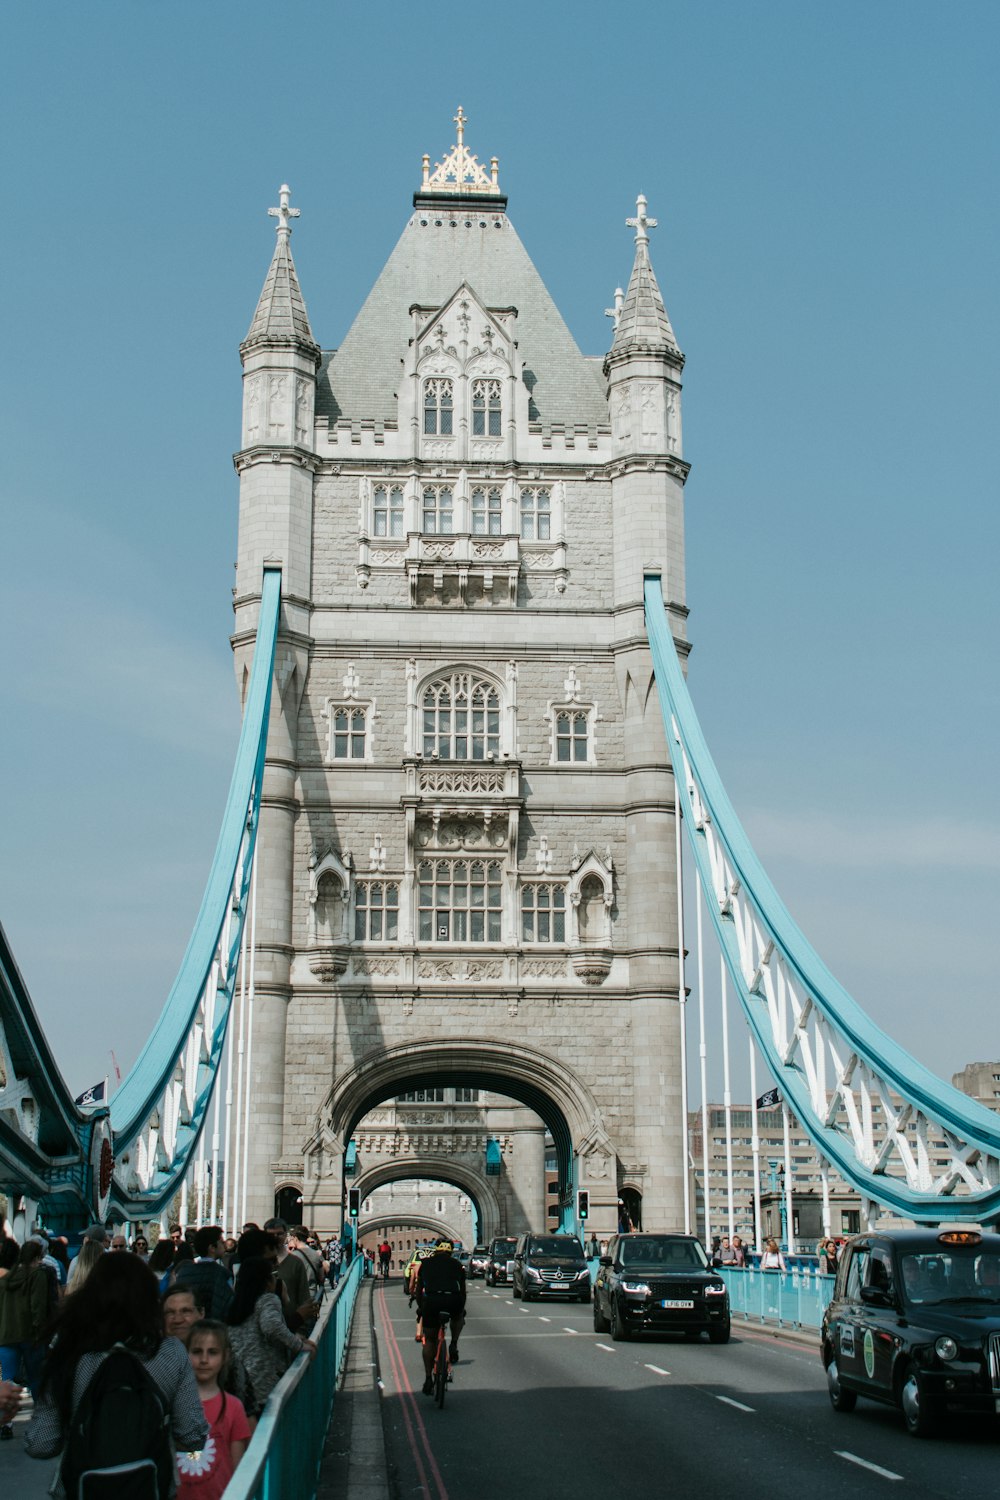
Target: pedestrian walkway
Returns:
[354, 1462]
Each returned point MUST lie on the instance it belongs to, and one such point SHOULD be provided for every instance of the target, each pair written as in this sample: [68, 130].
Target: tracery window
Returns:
[348, 727]
[572, 734]
[543, 913]
[439, 406]
[487, 512]
[421, 1096]
[486, 408]
[438, 510]
[536, 515]
[387, 510]
[376, 911]
[460, 901]
[461, 718]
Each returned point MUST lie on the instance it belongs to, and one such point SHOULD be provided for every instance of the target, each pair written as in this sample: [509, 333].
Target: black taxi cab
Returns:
[915, 1322]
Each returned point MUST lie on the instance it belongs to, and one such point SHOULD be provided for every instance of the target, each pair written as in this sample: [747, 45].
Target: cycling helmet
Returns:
[443, 1247]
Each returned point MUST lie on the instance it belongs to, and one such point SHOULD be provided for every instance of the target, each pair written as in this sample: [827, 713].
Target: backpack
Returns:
[118, 1443]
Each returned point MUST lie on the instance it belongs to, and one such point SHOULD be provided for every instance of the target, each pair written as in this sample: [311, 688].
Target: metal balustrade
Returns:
[286, 1450]
[795, 1298]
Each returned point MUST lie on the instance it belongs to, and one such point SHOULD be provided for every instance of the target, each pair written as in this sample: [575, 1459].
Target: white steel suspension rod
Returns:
[250, 999]
[229, 1218]
[238, 1139]
[682, 1000]
[755, 1149]
[706, 1190]
[789, 1223]
[824, 1177]
[727, 1099]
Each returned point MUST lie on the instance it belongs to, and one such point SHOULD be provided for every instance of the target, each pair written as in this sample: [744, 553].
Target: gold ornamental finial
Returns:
[460, 172]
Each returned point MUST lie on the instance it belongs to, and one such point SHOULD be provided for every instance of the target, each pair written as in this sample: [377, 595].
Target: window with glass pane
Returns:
[438, 408]
[486, 408]
[349, 733]
[487, 512]
[571, 736]
[536, 516]
[376, 911]
[543, 914]
[461, 719]
[466, 1096]
[387, 506]
[438, 510]
[421, 1096]
[459, 901]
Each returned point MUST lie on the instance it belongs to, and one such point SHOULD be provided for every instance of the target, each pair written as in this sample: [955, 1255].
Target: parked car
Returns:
[550, 1265]
[915, 1323]
[500, 1266]
[659, 1283]
[479, 1260]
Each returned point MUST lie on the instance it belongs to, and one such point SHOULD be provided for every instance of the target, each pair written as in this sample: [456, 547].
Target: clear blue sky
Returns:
[825, 181]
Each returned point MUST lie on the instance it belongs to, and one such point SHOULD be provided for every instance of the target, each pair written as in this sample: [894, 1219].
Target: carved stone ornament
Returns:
[592, 965]
[328, 963]
[385, 968]
[543, 968]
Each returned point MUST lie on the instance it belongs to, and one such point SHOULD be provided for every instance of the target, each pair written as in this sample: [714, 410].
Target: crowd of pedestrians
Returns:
[160, 1356]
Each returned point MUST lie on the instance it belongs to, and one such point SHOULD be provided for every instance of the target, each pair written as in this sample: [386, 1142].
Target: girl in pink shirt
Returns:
[204, 1474]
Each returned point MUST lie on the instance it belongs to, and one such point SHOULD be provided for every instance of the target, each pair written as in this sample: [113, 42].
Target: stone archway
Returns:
[443, 1169]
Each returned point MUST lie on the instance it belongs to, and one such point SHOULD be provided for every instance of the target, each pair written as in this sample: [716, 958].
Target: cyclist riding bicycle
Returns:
[440, 1288]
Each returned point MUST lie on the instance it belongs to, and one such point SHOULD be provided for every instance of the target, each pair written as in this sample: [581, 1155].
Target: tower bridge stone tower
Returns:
[467, 875]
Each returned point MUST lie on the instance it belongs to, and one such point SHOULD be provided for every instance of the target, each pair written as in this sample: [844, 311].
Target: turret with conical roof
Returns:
[643, 369]
[280, 358]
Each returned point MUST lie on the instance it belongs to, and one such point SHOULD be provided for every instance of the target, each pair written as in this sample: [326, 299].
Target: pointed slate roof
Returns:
[281, 316]
[446, 242]
[643, 323]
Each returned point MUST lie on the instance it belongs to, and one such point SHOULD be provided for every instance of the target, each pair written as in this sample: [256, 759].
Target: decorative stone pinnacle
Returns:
[616, 311]
[460, 172]
[283, 213]
[641, 223]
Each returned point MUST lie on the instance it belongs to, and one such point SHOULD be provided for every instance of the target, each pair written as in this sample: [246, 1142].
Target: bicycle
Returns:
[442, 1360]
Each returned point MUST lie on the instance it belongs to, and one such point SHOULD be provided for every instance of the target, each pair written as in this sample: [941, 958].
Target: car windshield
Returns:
[503, 1247]
[966, 1274]
[564, 1246]
[651, 1253]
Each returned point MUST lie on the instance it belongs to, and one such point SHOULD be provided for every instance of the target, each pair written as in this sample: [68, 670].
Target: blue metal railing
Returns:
[795, 1298]
[285, 1452]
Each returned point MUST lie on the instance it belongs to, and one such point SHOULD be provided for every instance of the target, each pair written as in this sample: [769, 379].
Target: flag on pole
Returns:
[97, 1094]
[770, 1099]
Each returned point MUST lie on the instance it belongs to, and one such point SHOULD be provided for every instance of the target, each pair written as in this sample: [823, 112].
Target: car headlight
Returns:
[635, 1288]
[945, 1348]
[715, 1289]
[583, 1275]
[530, 1271]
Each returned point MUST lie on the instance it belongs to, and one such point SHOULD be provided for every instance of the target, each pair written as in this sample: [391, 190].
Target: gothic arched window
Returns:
[486, 408]
[387, 510]
[461, 718]
[487, 512]
[438, 510]
[536, 515]
[460, 901]
[439, 406]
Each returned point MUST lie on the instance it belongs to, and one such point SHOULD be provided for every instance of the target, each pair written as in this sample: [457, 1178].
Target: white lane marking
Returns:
[524, 1309]
[656, 1370]
[852, 1458]
[730, 1402]
[607, 1347]
[571, 1330]
[542, 1319]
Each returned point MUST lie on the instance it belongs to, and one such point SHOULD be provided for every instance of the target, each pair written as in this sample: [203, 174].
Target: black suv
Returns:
[915, 1323]
[659, 1283]
[500, 1263]
[550, 1265]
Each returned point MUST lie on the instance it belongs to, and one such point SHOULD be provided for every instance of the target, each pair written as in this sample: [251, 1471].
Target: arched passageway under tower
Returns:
[486, 1203]
[583, 1150]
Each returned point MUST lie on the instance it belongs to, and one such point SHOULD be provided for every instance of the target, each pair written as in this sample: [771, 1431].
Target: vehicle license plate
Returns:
[676, 1304]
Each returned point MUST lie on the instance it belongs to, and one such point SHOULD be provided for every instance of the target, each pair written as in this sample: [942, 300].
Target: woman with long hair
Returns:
[92, 1252]
[261, 1338]
[117, 1304]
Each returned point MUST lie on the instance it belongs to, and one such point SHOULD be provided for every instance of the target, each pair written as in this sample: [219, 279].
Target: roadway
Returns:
[540, 1405]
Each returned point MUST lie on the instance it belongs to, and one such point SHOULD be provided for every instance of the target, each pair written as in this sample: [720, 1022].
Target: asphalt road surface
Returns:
[543, 1408]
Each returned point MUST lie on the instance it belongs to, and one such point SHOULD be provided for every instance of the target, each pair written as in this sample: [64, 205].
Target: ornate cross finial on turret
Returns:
[283, 213]
[460, 172]
[641, 223]
[616, 311]
[461, 120]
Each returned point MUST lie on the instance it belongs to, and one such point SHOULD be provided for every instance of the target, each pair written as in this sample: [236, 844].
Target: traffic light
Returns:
[353, 1202]
[582, 1203]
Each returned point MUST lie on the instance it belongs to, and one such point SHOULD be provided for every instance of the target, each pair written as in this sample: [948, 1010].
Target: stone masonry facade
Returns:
[466, 857]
